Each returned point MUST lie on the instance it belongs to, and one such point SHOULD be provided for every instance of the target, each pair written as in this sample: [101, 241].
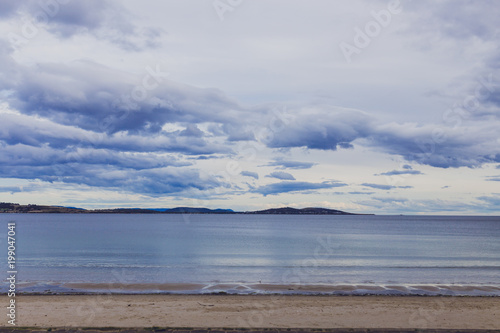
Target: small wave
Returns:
[274, 267]
[258, 288]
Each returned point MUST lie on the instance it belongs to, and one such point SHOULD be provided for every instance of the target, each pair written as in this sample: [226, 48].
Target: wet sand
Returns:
[297, 311]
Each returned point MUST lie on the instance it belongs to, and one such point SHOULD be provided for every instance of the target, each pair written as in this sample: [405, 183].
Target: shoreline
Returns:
[84, 288]
[257, 311]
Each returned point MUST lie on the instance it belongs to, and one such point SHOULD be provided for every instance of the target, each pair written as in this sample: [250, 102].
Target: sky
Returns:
[385, 107]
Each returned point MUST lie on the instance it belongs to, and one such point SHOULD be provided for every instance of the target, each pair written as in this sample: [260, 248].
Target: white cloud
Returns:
[164, 98]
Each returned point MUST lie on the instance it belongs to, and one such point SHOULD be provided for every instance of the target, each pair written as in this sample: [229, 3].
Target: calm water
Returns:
[399, 254]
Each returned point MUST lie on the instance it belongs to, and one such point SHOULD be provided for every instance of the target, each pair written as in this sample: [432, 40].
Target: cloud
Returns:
[329, 128]
[458, 21]
[158, 181]
[286, 164]
[408, 206]
[321, 127]
[250, 174]
[400, 172]
[493, 178]
[452, 147]
[379, 186]
[35, 131]
[281, 175]
[384, 187]
[453, 27]
[292, 186]
[390, 200]
[23, 188]
[103, 19]
[492, 201]
[192, 131]
[93, 122]
[9, 8]
[34, 148]
[486, 204]
[98, 98]
[73, 128]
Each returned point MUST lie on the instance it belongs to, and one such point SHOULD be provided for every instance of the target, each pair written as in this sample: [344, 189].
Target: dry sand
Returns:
[257, 311]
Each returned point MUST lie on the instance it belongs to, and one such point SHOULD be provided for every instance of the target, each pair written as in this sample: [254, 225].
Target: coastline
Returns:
[85, 288]
[257, 311]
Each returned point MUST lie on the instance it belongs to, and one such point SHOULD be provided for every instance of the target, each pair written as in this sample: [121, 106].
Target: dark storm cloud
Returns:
[291, 186]
[281, 175]
[285, 164]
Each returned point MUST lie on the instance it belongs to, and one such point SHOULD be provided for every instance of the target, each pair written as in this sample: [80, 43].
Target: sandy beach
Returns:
[257, 311]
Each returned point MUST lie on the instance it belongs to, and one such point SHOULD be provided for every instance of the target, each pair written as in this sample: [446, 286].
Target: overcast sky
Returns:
[383, 107]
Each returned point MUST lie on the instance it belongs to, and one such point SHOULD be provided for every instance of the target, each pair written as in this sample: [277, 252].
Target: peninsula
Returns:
[6, 207]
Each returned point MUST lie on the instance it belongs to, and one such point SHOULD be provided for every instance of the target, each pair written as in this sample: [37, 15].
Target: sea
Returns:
[253, 254]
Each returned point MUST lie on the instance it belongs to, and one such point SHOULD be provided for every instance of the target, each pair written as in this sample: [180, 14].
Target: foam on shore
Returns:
[259, 288]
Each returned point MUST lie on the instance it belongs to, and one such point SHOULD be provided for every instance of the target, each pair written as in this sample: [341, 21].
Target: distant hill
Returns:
[6, 207]
[303, 211]
[177, 210]
[191, 210]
